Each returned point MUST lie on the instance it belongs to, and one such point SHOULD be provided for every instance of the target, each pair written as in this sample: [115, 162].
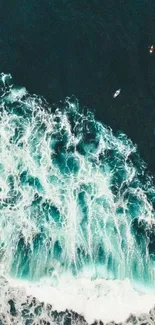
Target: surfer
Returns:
[117, 93]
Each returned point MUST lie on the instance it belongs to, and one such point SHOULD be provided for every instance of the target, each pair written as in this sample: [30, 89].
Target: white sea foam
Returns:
[16, 94]
[98, 299]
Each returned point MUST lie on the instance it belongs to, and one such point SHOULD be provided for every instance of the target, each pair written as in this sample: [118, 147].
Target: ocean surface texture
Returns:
[77, 163]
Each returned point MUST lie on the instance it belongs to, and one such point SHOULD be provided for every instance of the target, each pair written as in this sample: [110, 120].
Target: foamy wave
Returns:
[76, 207]
[74, 302]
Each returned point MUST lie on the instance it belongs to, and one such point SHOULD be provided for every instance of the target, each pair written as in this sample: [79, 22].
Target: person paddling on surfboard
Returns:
[117, 93]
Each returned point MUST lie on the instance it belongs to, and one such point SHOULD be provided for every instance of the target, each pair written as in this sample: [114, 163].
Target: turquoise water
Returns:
[73, 196]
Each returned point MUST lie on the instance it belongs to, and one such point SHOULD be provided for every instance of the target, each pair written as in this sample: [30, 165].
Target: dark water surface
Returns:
[89, 49]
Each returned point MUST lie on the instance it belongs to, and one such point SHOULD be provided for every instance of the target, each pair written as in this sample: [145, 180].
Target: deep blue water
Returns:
[89, 49]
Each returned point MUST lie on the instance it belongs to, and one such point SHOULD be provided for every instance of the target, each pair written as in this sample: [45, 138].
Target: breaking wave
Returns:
[75, 199]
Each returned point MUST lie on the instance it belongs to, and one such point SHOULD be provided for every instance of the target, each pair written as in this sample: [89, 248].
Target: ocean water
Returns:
[90, 49]
[77, 227]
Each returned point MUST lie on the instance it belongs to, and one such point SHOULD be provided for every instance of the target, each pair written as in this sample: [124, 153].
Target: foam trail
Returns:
[96, 300]
[74, 199]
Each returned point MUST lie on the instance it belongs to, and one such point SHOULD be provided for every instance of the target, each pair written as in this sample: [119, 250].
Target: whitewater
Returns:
[77, 226]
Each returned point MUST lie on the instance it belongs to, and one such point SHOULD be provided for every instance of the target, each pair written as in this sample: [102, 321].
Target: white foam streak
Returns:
[99, 299]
